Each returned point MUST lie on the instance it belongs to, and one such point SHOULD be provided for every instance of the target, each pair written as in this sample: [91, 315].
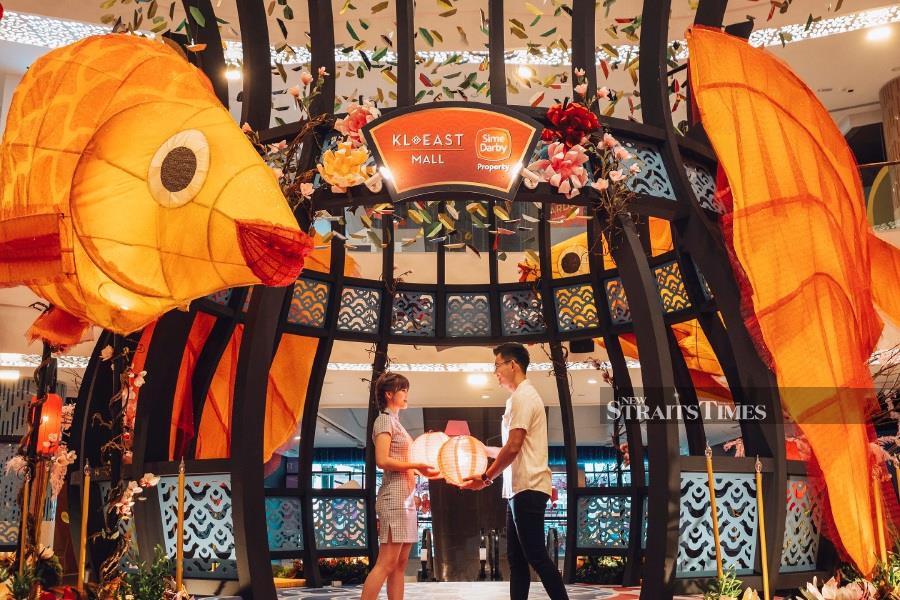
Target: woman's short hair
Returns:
[388, 382]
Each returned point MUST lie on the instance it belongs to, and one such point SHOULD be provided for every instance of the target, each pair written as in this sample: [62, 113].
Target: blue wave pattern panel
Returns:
[413, 314]
[653, 179]
[521, 313]
[10, 485]
[736, 504]
[208, 527]
[672, 293]
[285, 527]
[468, 315]
[603, 521]
[703, 183]
[802, 529]
[359, 310]
[575, 307]
[340, 523]
[617, 301]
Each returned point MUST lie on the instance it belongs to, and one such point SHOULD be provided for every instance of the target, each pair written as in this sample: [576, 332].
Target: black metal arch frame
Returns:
[698, 243]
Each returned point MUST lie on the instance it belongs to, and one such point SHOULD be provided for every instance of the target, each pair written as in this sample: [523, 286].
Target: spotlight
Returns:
[477, 379]
[525, 72]
[485, 396]
[592, 381]
[232, 73]
[386, 173]
[878, 34]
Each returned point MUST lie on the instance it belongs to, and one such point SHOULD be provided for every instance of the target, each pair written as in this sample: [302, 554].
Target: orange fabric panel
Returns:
[181, 429]
[799, 232]
[214, 433]
[886, 275]
[660, 236]
[286, 393]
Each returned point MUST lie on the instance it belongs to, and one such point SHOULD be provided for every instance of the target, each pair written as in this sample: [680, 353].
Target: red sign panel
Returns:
[452, 147]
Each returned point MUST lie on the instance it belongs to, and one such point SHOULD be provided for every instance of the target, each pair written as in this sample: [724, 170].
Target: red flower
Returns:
[570, 124]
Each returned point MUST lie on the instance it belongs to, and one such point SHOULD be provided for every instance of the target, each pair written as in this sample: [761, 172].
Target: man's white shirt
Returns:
[530, 469]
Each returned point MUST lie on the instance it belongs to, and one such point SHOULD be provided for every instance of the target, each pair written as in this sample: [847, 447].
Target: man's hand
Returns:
[473, 483]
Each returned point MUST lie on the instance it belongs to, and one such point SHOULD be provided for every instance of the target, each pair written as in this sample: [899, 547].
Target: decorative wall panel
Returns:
[359, 310]
[703, 182]
[575, 307]
[285, 527]
[672, 293]
[617, 301]
[413, 314]
[653, 179]
[340, 523]
[603, 521]
[802, 528]
[308, 303]
[736, 504]
[468, 315]
[521, 313]
[208, 528]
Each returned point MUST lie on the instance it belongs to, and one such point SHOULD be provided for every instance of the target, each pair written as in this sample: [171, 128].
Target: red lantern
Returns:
[426, 448]
[462, 456]
[50, 428]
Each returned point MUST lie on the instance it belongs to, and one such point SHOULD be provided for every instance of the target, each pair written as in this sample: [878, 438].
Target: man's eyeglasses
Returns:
[500, 364]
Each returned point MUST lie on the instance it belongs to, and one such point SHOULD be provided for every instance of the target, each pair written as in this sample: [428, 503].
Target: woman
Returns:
[396, 503]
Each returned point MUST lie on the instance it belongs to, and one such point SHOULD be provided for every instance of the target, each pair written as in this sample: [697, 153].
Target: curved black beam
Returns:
[406, 53]
[212, 58]
[659, 383]
[256, 105]
[251, 544]
[496, 51]
[687, 396]
[564, 392]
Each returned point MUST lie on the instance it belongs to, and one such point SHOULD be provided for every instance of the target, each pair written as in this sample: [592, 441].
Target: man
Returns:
[526, 476]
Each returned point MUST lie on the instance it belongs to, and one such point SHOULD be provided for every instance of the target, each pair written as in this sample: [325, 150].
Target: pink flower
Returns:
[106, 353]
[148, 480]
[307, 189]
[603, 93]
[581, 89]
[564, 169]
[579, 72]
[246, 128]
[139, 378]
[609, 141]
[600, 184]
[323, 72]
[306, 77]
[294, 91]
[358, 115]
[634, 169]
[616, 175]
[622, 154]
[16, 465]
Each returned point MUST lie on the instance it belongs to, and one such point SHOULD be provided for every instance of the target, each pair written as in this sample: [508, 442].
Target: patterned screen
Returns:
[802, 527]
[14, 399]
[521, 313]
[672, 293]
[617, 301]
[221, 297]
[208, 529]
[736, 504]
[10, 485]
[704, 185]
[468, 315]
[308, 303]
[285, 527]
[413, 314]
[575, 307]
[359, 310]
[603, 521]
[653, 179]
[340, 523]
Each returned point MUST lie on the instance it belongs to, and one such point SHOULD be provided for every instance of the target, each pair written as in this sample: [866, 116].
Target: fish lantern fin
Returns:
[31, 250]
[58, 328]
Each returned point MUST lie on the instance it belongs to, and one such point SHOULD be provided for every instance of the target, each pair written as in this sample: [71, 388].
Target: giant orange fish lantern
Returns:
[127, 189]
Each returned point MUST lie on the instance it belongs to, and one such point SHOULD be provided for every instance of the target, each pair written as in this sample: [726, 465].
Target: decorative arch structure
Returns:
[664, 511]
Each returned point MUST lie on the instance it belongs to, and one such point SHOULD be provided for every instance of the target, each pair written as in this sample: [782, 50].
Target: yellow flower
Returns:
[345, 166]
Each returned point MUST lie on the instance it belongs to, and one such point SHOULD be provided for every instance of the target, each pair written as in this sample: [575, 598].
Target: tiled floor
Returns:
[482, 590]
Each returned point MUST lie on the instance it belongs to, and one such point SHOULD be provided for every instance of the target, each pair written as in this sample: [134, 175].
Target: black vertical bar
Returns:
[406, 53]
[496, 51]
[257, 84]
[321, 50]
[494, 296]
[440, 294]
[583, 37]
[211, 58]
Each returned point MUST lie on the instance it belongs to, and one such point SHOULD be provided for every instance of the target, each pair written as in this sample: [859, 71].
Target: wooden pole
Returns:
[714, 511]
[82, 538]
[23, 529]
[764, 555]
[179, 548]
[879, 515]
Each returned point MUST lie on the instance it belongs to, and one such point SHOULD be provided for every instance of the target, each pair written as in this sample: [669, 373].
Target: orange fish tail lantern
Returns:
[50, 428]
[460, 457]
[427, 447]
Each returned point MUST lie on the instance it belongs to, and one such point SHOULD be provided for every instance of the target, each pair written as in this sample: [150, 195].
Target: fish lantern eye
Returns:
[570, 261]
[178, 168]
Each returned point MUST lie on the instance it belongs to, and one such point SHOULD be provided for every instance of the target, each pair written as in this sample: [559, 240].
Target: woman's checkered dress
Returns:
[396, 502]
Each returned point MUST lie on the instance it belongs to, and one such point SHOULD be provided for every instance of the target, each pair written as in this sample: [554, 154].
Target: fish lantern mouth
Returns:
[275, 254]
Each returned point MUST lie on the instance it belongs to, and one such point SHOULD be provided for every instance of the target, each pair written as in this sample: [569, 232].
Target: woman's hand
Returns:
[426, 470]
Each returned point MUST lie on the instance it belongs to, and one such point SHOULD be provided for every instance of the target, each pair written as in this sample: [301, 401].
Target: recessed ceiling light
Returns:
[232, 74]
[477, 379]
[9, 375]
[485, 396]
[878, 34]
[525, 72]
[592, 381]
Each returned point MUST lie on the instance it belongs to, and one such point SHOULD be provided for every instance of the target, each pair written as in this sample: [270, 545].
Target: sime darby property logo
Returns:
[493, 144]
